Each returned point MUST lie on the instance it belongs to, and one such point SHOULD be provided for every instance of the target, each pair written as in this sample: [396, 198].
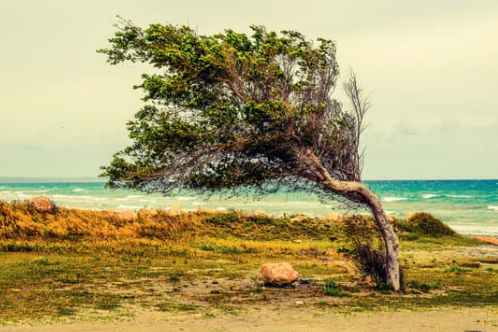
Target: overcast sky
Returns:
[430, 68]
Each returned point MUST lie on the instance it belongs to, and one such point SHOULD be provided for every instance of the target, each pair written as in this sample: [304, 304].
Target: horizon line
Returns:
[40, 179]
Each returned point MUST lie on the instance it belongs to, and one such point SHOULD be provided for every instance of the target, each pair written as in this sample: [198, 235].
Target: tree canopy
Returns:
[230, 109]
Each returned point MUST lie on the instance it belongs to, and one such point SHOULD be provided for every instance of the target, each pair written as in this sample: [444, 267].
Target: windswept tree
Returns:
[231, 110]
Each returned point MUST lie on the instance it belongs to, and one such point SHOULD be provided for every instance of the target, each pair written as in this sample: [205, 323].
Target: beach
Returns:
[293, 320]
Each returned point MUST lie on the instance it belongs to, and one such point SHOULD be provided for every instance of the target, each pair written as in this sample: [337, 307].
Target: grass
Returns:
[75, 264]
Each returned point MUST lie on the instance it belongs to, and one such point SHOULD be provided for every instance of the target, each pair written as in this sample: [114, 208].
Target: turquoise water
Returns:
[468, 206]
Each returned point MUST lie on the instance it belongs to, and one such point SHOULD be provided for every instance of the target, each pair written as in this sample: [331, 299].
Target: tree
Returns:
[231, 110]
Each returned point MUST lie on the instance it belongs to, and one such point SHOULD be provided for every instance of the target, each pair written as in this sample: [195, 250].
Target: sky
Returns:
[429, 68]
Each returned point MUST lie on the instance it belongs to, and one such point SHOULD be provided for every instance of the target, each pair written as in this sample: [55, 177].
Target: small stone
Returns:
[306, 281]
[299, 302]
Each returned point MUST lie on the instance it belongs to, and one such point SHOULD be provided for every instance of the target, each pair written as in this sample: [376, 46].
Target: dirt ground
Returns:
[291, 320]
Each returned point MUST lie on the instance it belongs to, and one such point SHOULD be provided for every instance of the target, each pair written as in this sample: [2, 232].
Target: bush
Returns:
[366, 247]
[224, 219]
[455, 268]
[370, 261]
[332, 289]
[426, 224]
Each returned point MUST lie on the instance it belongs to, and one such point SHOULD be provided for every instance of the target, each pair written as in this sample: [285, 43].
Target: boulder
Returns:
[278, 274]
[42, 204]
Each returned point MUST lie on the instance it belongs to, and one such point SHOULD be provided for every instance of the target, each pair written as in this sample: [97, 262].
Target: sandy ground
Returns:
[289, 321]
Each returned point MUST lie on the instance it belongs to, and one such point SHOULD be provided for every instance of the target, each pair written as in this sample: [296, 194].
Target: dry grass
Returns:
[78, 264]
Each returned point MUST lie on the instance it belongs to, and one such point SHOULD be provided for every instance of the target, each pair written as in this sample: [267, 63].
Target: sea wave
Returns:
[76, 190]
[394, 199]
[129, 197]
[426, 196]
[493, 207]
[72, 197]
[459, 196]
[129, 207]
[185, 198]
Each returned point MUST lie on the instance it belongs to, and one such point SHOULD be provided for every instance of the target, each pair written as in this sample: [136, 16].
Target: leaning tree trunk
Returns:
[390, 239]
[356, 191]
[350, 189]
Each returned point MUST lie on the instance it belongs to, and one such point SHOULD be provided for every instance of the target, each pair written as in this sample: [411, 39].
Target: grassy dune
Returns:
[75, 265]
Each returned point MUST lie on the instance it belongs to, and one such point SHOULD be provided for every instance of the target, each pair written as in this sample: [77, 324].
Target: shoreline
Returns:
[469, 206]
[175, 209]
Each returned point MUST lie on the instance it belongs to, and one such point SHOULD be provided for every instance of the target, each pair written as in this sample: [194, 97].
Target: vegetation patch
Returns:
[200, 266]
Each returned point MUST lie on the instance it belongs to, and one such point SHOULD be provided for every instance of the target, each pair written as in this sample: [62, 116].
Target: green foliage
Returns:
[423, 287]
[332, 289]
[423, 224]
[223, 219]
[426, 224]
[456, 268]
[365, 247]
[230, 109]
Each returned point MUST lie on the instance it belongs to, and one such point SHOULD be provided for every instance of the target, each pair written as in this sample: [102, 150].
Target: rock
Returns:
[42, 204]
[391, 218]
[306, 281]
[278, 274]
[145, 213]
[299, 302]
[175, 210]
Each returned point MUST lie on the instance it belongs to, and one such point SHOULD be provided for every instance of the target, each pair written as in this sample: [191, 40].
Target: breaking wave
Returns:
[394, 199]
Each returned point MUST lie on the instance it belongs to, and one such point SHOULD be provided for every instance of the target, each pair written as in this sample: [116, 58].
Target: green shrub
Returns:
[423, 287]
[365, 247]
[332, 289]
[224, 219]
[426, 224]
[455, 268]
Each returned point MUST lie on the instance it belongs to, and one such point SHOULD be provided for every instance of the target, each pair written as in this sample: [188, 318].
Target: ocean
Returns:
[468, 206]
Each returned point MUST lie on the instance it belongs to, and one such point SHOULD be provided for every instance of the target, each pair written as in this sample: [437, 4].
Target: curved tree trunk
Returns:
[357, 189]
[357, 192]
[390, 239]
